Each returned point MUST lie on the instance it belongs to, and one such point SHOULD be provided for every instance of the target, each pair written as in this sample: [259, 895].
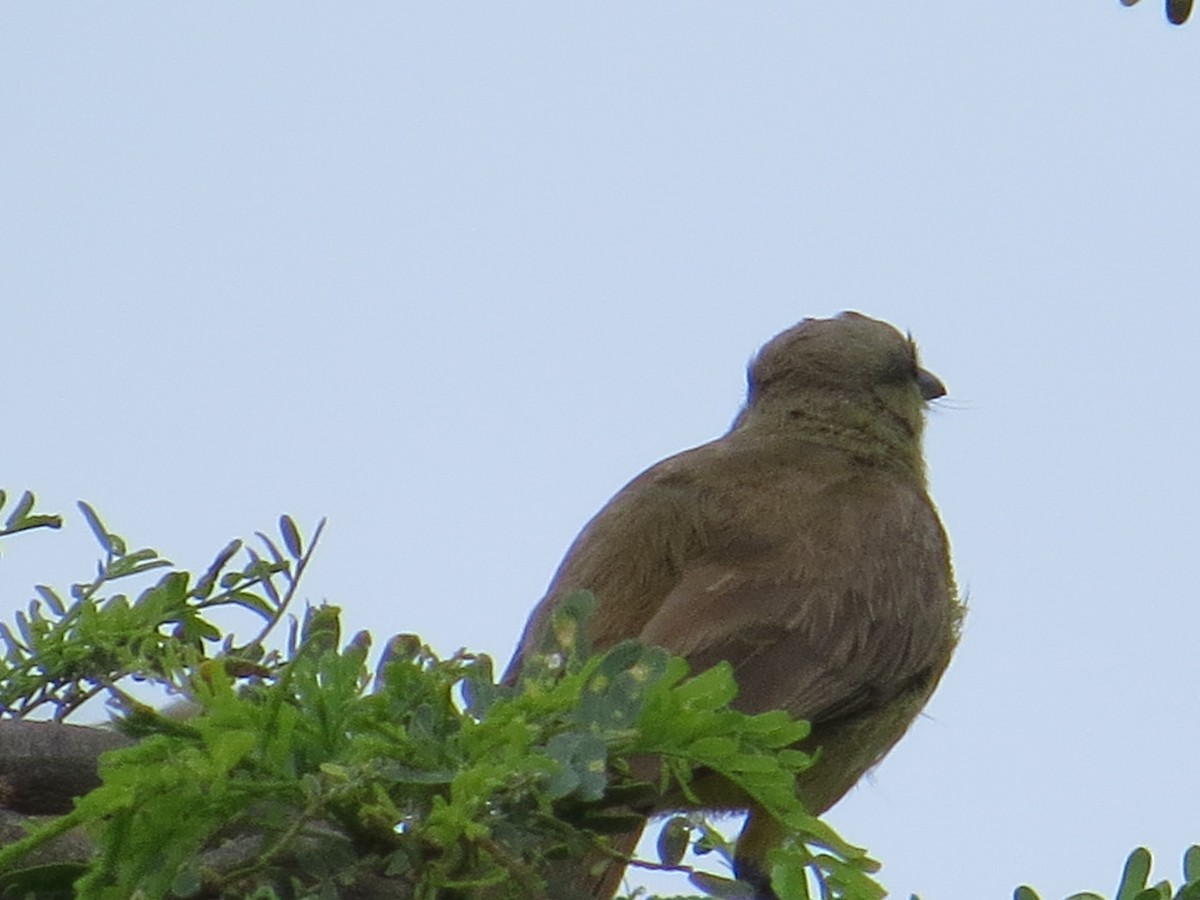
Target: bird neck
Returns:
[867, 427]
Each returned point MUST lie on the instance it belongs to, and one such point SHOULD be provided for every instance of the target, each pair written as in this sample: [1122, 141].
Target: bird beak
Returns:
[931, 386]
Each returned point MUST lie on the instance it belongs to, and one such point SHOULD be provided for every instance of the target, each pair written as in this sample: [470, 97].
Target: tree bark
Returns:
[45, 765]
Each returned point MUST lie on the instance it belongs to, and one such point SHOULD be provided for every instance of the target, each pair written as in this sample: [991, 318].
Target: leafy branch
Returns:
[1134, 884]
[22, 518]
[63, 652]
[303, 769]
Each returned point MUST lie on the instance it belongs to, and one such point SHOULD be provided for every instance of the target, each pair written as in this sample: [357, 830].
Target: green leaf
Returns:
[134, 563]
[206, 583]
[31, 522]
[278, 562]
[1133, 878]
[581, 759]
[710, 689]
[14, 645]
[673, 841]
[566, 627]
[93, 520]
[714, 750]
[408, 775]
[24, 505]
[51, 599]
[291, 536]
[23, 627]
[615, 691]
[1191, 863]
[790, 882]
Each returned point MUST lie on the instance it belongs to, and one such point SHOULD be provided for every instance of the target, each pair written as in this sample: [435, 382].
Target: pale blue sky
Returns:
[450, 274]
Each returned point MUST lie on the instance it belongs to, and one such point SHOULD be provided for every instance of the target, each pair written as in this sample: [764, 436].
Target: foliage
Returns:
[23, 518]
[64, 652]
[1134, 878]
[301, 773]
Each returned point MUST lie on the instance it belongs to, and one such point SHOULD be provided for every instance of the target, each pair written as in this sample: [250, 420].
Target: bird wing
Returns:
[826, 587]
[630, 556]
[850, 609]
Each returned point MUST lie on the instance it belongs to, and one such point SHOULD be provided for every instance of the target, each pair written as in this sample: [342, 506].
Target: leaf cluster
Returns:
[304, 774]
[1135, 881]
[64, 650]
[23, 518]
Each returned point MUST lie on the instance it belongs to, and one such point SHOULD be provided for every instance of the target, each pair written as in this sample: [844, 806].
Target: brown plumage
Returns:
[802, 547]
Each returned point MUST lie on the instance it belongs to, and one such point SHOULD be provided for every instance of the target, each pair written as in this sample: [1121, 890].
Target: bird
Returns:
[802, 548]
[1177, 10]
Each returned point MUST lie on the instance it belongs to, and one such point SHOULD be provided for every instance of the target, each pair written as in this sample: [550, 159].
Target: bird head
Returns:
[850, 377]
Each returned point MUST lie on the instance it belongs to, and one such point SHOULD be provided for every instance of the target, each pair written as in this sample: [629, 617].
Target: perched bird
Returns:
[1177, 10]
[801, 547]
